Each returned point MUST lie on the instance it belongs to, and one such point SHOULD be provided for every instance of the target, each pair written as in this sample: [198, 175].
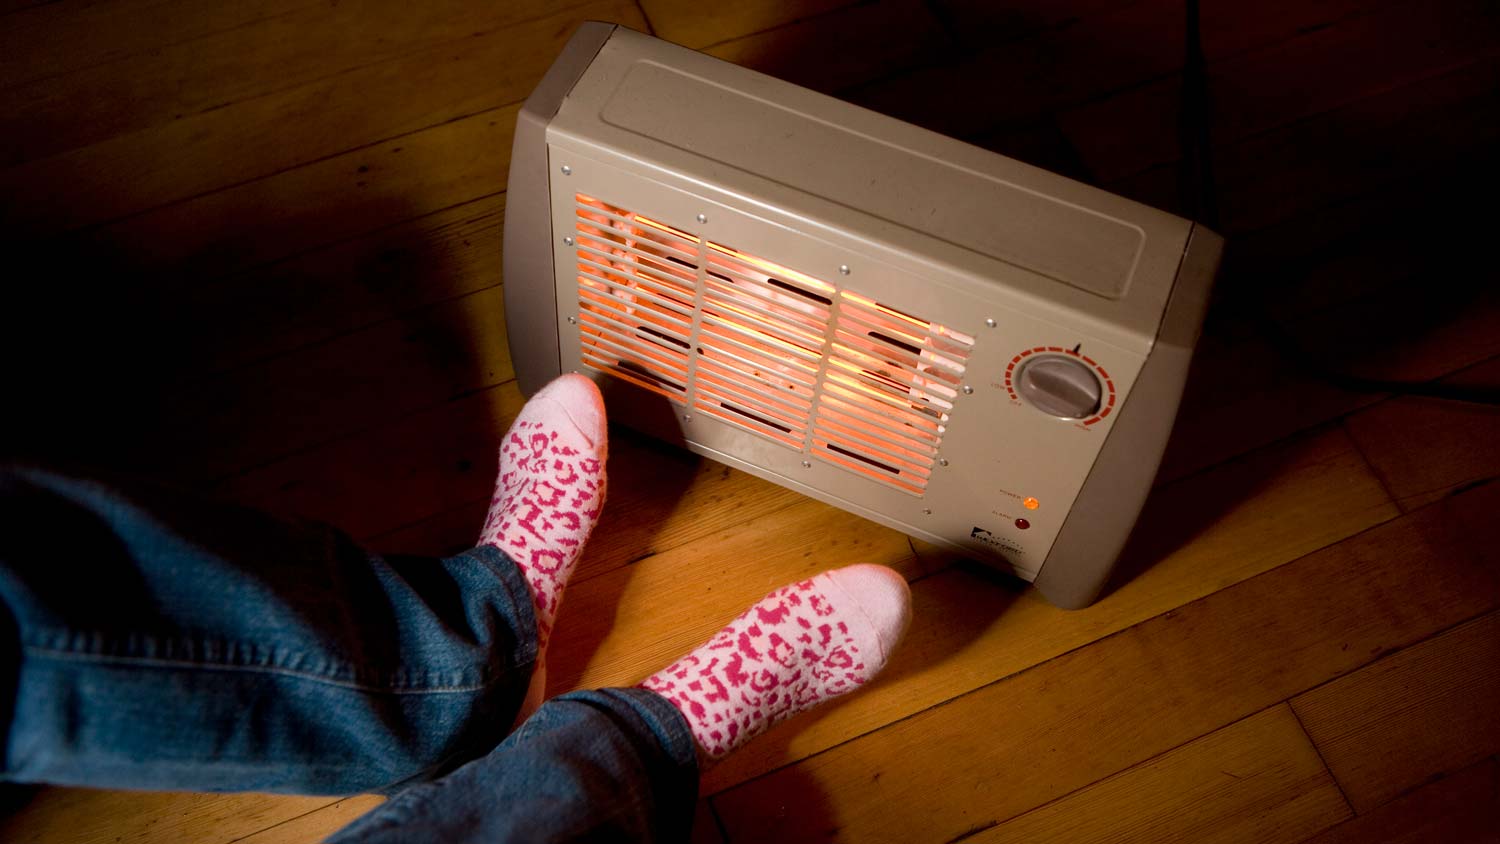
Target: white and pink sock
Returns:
[797, 647]
[550, 491]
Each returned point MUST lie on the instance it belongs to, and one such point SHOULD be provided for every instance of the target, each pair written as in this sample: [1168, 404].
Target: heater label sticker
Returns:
[994, 541]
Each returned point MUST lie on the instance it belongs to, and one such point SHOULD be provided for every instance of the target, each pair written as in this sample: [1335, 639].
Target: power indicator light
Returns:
[1031, 503]
[1022, 524]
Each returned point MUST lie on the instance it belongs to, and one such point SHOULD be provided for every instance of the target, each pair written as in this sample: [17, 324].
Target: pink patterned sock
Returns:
[797, 647]
[550, 490]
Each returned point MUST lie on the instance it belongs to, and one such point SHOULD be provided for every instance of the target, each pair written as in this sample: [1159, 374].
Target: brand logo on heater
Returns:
[993, 541]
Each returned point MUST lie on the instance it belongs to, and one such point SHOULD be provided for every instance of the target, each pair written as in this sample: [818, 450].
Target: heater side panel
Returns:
[1081, 559]
[530, 304]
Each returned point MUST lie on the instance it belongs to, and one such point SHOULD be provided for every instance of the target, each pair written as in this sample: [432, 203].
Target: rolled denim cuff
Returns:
[666, 722]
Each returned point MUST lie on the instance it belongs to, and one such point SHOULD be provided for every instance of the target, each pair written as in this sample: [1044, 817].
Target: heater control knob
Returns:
[1060, 386]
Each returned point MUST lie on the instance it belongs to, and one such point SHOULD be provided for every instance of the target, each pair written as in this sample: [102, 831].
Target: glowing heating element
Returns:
[796, 360]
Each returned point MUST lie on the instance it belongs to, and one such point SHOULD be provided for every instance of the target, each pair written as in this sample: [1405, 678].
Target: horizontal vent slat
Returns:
[769, 312]
[640, 338]
[748, 337]
[806, 303]
[894, 372]
[749, 423]
[792, 424]
[653, 360]
[637, 363]
[780, 403]
[678, 271]
[921, 360]
[772, 382]
[775, 313]
[621, 291]
[614, 370]
[721, 343]
[866, 445]
[905, 437]
[869, 469]
[656, 323]
[621, 248]
[888, 391]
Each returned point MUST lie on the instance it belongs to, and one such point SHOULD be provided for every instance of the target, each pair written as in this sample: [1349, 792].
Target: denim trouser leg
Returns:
[609, 765]
[153, 642]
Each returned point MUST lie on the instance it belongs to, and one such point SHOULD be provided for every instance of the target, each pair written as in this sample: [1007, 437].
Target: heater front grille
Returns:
[764, 348]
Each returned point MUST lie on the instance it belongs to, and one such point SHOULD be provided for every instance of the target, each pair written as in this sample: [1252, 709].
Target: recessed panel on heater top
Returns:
[892, 391]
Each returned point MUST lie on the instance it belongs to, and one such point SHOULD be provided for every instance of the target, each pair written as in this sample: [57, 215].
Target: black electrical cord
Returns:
[1200, 202]
[1199, 198]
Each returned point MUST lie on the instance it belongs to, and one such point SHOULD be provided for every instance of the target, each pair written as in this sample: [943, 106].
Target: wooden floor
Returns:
[254, 248]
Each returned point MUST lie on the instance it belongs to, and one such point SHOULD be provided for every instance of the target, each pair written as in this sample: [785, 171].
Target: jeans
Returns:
[155, 641]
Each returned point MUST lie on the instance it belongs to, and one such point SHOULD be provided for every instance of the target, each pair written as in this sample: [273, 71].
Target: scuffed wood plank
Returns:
[316, 825]
[1425, 711]
[423, 465]
[102, 32]
[1424, 448]
[1460, 809]
[317, 41]
[844, 48]
[86, 816]
[698, 25]
[264, 135]
[1259, 779]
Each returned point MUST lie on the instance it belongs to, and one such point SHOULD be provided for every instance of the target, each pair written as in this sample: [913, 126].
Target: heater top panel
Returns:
[1048, 246]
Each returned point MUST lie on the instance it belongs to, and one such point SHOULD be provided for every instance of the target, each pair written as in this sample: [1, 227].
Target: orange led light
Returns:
[1031, 503]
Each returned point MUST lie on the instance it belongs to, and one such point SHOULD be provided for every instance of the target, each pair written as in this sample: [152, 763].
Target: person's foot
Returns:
[548, 496]
[797, 647]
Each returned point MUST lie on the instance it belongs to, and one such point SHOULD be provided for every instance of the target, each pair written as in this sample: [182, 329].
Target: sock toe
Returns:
[580, 401]
[882, 596]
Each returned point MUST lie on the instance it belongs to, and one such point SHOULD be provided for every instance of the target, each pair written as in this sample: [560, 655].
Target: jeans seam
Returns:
[150, 662]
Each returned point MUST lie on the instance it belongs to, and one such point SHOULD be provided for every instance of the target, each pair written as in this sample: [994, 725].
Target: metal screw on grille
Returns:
[567, 241]
[990, 322]
[807, 464]
[968, 391]
[843, 269]
[942, 461]
[566, 170]
[702, 218]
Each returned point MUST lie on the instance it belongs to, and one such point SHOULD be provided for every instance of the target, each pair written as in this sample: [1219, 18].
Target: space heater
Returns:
[966, 348]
